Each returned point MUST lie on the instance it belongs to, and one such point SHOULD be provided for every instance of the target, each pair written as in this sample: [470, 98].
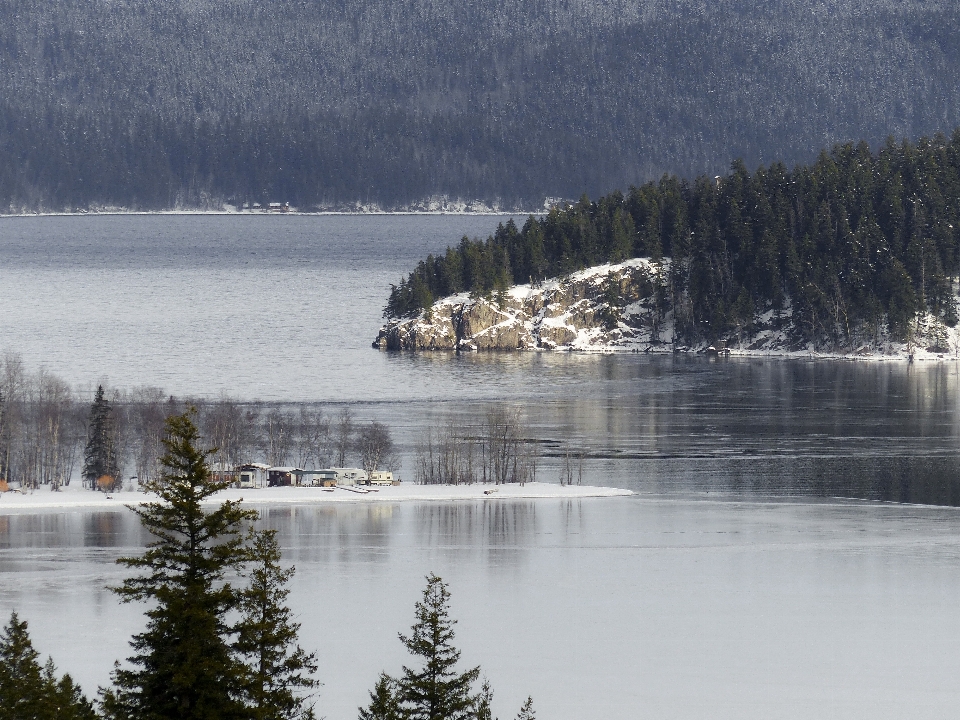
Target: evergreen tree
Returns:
[437, 691]
[183, 665]
[384, 701]
[266, 639]
[483, 703]
[100, 455]
[526, 712]
[29, 691]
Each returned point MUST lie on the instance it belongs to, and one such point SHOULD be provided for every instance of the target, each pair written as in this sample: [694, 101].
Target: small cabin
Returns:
[282, 476]
[221, 472]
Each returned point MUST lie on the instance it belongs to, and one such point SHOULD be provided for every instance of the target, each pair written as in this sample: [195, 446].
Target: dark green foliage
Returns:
[100, 454]
[384, 701]
[526, 712]
[483, 703]
[436, 691]
[29, 691]
[267, 640]
[855, 241]
[183, 666]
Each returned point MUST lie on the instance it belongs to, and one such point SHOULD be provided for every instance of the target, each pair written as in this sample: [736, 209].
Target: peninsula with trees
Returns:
[858, 252]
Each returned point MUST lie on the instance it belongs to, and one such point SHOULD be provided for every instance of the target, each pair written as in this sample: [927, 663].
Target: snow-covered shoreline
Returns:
[78, 498]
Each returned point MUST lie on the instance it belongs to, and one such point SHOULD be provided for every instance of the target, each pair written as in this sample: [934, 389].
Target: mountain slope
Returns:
[158, 103]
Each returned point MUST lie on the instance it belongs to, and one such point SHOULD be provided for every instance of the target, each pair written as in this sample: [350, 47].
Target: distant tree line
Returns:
[48, 432]
[151, 104]
[848, 248]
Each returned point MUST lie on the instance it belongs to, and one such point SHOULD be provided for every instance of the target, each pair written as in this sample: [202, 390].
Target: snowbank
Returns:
[79, 498]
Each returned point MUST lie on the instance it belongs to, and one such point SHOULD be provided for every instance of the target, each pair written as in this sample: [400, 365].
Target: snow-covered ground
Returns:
[74, 496]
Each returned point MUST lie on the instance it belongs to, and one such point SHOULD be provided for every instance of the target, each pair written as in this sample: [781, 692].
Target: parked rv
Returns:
[252, 475]
[381, 477]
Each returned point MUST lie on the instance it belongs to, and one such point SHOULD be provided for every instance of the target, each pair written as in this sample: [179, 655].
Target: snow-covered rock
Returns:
[605, 306]
[614, 308]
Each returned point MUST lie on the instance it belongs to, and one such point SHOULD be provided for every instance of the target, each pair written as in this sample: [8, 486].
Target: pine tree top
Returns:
[437, 692]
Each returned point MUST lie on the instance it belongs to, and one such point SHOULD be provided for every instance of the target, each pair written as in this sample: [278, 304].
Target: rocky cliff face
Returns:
[610, 306]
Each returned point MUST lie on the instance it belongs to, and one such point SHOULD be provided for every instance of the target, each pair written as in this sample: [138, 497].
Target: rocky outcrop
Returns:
[606, 306]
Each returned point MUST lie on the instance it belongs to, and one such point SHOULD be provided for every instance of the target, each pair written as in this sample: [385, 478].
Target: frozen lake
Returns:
[762, 571]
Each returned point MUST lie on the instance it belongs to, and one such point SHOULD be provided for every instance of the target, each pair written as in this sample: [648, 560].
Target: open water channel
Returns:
[793, 550]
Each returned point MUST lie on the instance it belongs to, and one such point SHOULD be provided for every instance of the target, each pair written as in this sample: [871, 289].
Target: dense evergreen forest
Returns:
[153, 104]
[843, 250]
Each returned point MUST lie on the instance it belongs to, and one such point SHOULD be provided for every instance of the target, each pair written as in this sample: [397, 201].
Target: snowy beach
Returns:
[76, 497]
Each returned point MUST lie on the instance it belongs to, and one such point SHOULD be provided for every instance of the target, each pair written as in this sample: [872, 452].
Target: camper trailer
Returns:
[252, 475]
[350, 476]
[381, 477]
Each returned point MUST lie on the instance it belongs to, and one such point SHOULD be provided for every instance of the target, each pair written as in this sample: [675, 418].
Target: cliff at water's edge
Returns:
[610, 305]
[618, 308]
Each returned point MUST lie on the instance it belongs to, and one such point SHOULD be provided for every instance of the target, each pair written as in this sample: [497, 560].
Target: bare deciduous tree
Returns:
[343, 431]
[146, 417]
[376, 448]
[313, 445]
[277, 438]
[497, 451]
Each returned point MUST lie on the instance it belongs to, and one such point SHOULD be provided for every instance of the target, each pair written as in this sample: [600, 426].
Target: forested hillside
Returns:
[162, 103]
[849, 248]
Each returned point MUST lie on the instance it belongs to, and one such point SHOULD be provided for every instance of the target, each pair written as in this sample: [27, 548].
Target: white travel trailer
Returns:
[381, 477]
[252, 475]
[350, 476]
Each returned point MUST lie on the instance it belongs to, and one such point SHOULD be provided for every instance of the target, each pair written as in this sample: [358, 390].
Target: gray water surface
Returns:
[792, 550]
[613, 608]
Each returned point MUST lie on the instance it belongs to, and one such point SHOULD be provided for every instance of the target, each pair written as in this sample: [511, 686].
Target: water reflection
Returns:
[871, 430]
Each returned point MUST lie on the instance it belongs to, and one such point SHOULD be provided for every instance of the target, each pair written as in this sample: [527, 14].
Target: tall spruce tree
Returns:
[267, 640]
[183, 665]
[436, 691]
[100, 467]
[29, 691]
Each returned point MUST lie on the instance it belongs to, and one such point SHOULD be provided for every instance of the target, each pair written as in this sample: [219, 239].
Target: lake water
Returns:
[765, 569]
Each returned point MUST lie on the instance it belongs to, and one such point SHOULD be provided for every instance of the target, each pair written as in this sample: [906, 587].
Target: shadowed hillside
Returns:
[159, 103]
